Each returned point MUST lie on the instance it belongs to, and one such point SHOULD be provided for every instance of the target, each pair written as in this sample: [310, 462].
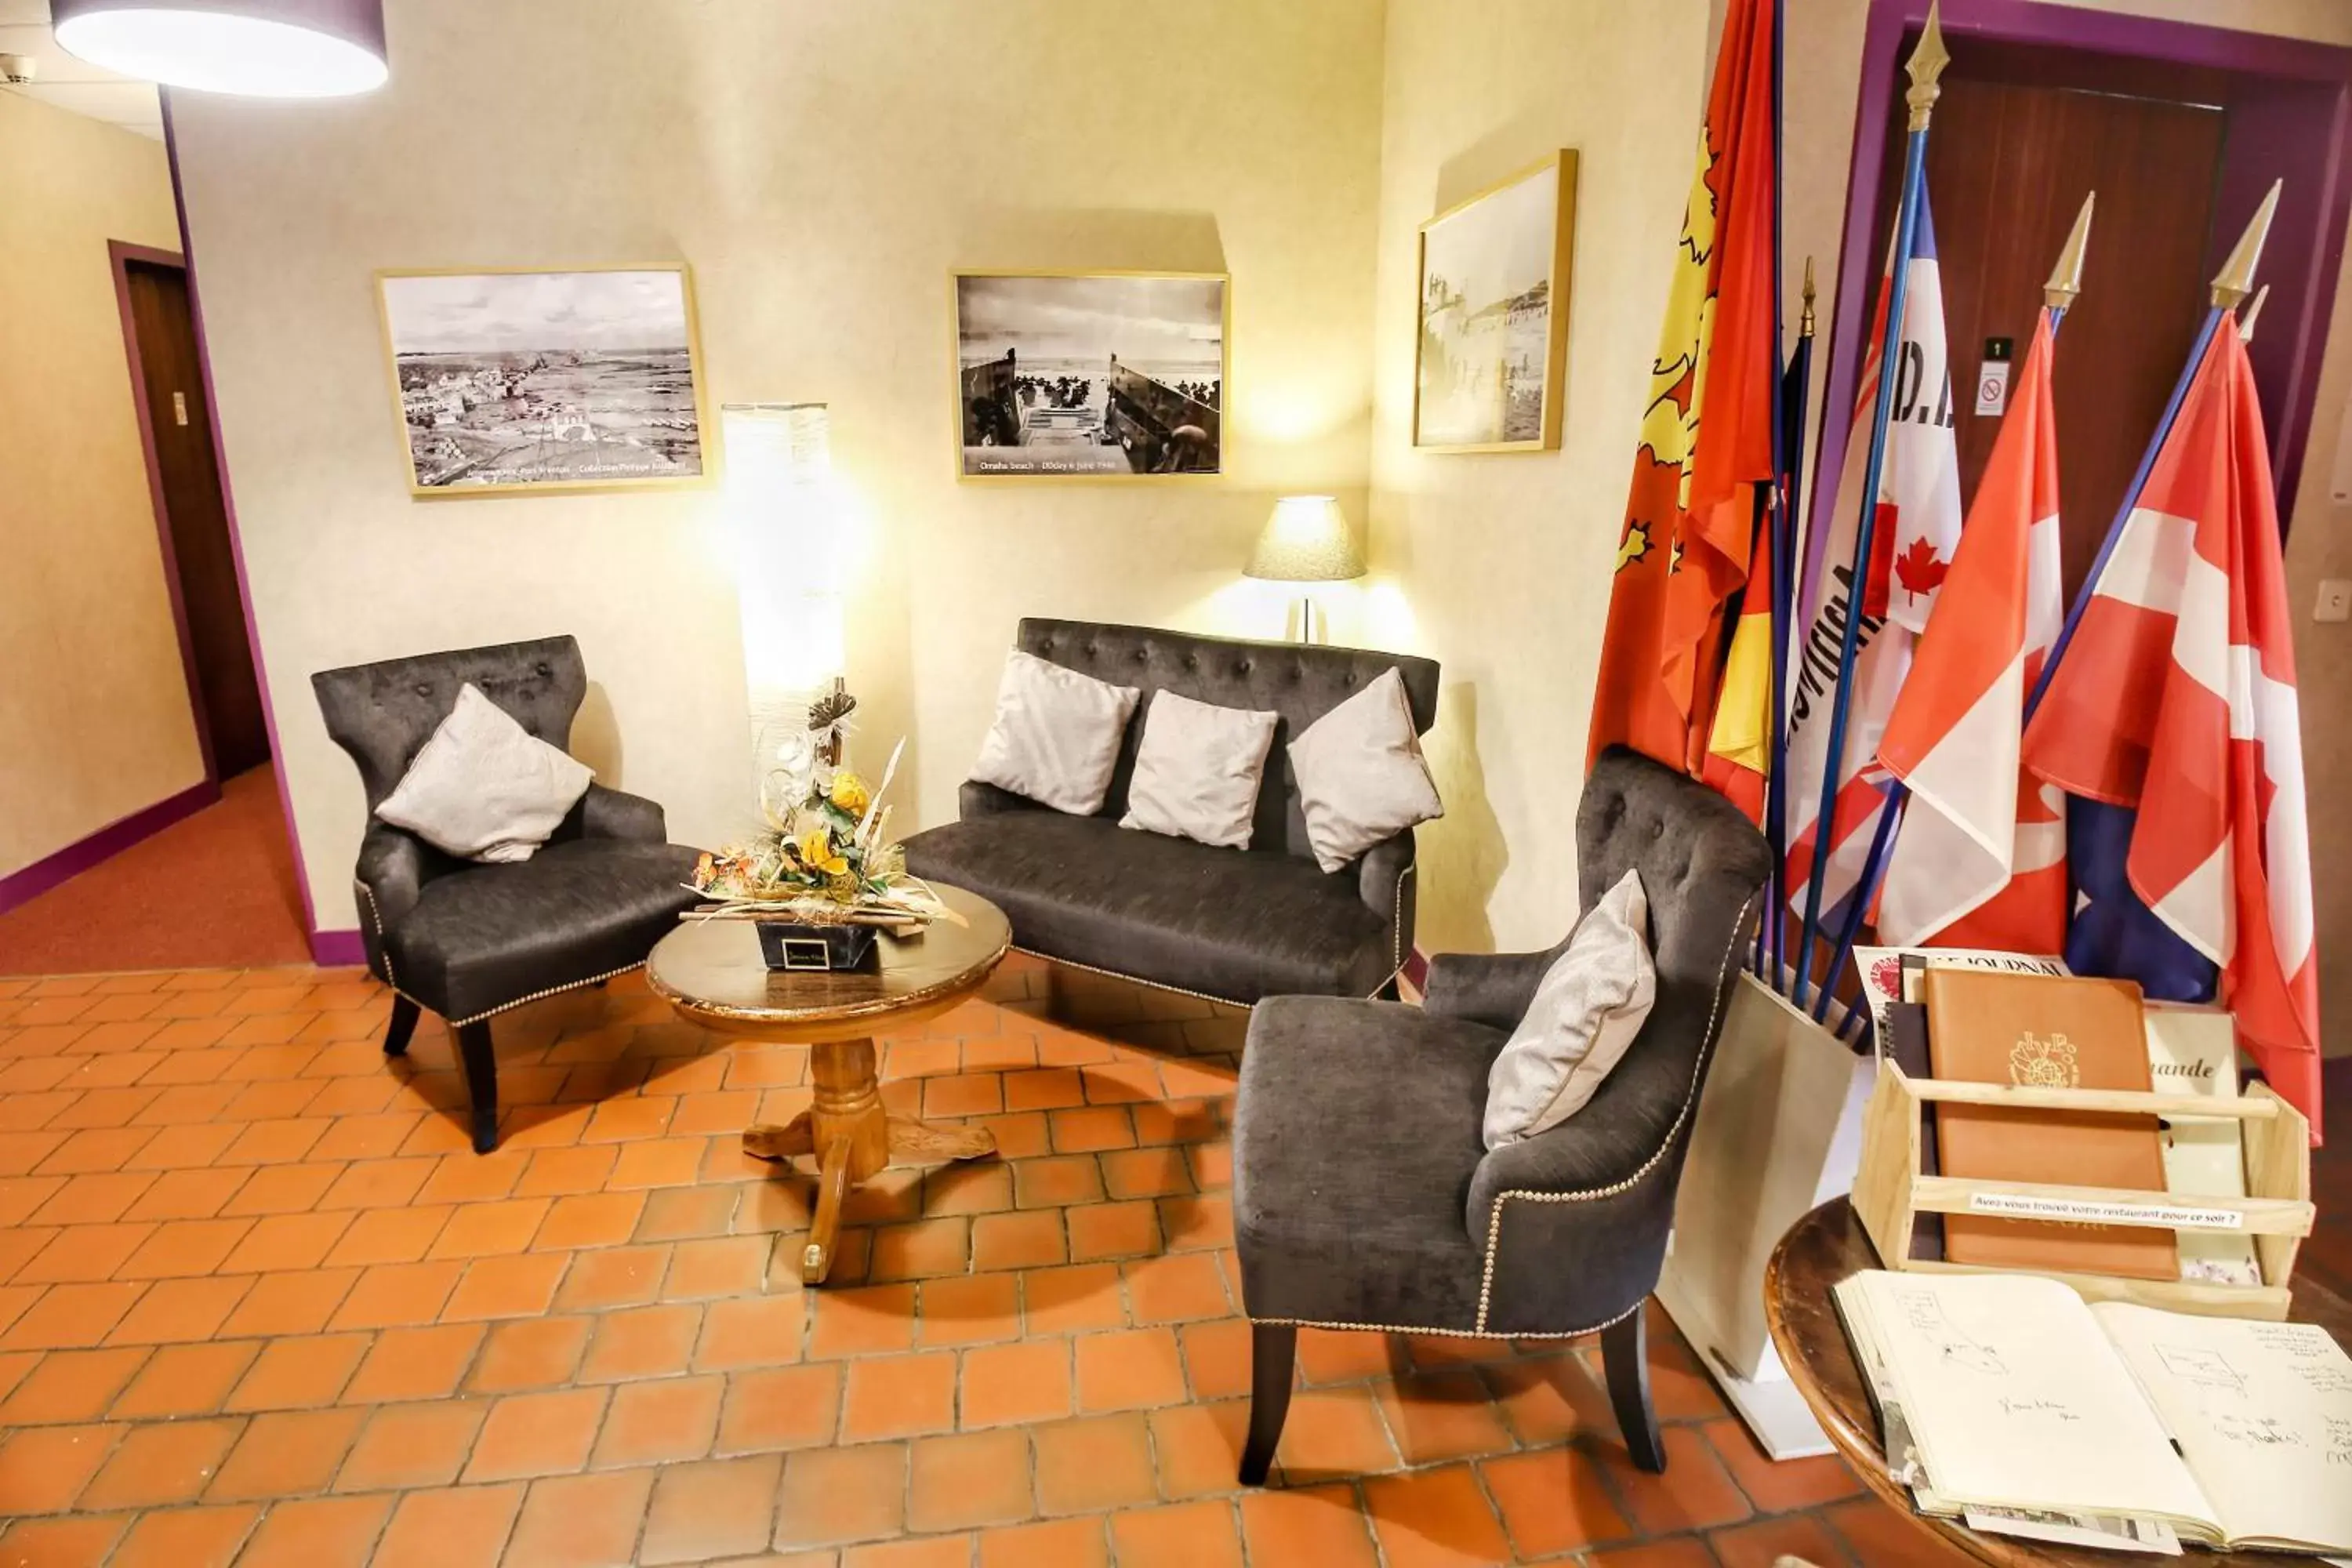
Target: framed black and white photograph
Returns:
[534, 382]
[1090, 374]
[1492, 346]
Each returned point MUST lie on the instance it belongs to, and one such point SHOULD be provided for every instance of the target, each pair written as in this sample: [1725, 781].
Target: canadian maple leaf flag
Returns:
[2177, 698]
[1980, 859]
[1918, 505]
[1919, 571]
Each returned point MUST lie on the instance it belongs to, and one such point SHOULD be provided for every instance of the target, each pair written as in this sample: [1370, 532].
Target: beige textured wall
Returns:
[822, 168]
[94, 716]
[1504, 561]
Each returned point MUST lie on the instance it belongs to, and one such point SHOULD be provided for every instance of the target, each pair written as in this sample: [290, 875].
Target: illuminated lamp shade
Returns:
[255, 49]
[1306, 541]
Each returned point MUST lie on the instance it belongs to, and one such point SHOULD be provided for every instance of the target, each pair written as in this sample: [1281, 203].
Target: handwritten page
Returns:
[2264, 1411]
[2015, 1399]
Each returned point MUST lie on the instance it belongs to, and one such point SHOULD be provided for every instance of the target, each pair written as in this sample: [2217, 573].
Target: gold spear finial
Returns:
[1925, 65]
[2253, 313]
[2237, 276]
[2066, 278]
[1805, 321]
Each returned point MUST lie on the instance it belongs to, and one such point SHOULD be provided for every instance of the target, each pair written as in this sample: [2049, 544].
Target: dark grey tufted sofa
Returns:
[469, 940]
[1364, 1196]
[1235, 925]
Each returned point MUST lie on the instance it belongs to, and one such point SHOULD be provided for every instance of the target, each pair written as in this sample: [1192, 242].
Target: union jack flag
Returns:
[2177, 699]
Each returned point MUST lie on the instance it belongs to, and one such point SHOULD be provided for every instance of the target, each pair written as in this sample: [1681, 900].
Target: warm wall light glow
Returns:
[1385, 618]
[791, 548]
[257, 48]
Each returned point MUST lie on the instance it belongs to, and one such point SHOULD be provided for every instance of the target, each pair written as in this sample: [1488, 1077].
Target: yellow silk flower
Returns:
[850, 793]
[817, 853]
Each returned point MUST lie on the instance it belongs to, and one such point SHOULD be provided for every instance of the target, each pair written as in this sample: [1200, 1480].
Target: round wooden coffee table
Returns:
[1826, 1247]
[711, 970]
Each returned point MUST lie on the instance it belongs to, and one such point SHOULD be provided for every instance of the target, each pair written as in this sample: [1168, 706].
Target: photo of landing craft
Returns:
[544, 380]
[1101, 375]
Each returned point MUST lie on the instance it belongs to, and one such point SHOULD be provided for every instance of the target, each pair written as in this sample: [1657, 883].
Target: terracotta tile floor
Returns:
[260, 1305]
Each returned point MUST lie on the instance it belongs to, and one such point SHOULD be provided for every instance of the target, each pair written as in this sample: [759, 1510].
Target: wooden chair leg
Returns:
[1274, 1349]
[1625, 1357]
[403, 1024]
[481, 1066]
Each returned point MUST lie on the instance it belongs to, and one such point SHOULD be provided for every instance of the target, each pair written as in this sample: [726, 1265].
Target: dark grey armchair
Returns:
[1363, 1195]
[469, 941]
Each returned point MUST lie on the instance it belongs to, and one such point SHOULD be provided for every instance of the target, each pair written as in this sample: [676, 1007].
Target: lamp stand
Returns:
[1306, 619]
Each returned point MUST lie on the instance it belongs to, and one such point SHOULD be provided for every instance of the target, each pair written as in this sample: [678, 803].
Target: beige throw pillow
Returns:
[483, 787]
[1197, 771]
[1361, 780]
[1589, 1007]
[1056, 734]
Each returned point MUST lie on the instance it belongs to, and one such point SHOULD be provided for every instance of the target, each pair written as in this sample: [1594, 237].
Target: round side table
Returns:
[711, 972]
[1826, 1247]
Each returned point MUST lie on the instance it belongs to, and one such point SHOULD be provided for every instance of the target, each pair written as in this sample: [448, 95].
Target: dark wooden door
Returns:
[2015, 147]
[198, 519]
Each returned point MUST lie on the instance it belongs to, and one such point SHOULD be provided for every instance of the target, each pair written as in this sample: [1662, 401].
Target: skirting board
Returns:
[1778, 1132]
[22, 886]
[337, 949]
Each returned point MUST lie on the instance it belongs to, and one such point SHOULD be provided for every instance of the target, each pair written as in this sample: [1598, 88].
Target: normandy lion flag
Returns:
[1706, 435]
[1918, 527]
[1980, 859]
[2177, 699]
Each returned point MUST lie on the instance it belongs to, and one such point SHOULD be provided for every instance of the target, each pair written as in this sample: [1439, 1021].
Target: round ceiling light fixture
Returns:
[256, 48]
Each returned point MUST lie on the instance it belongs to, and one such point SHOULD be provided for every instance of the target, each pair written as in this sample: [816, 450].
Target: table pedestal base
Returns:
[853, 1139]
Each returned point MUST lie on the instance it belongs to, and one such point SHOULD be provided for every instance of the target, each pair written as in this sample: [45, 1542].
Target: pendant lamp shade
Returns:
[256, 48]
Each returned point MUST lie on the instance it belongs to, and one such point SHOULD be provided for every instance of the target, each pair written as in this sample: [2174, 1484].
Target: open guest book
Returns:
[2011, 1402]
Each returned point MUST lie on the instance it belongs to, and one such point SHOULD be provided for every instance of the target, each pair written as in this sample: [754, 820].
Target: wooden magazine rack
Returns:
[1890, 1192]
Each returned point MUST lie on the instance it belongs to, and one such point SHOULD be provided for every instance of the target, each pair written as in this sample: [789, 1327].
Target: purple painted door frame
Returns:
[120, 253]
[2298, 128]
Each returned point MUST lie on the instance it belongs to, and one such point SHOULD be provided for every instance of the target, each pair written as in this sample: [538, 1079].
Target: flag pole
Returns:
[2253, 313]
[1796, 385]
[1797, 382]
[1925, 65]
[2058, 295]
[1774, 495]
[2231, 287]
[2065, 279]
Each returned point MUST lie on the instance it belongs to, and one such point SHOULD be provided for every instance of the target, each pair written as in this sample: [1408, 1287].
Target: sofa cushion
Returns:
[487, 937]
[482, 787]
[1300, 682]
[1587, 1010]
[1234, 924]
[1056, 735]
[1197, 771]
[1361, 779]
[1355, 1138]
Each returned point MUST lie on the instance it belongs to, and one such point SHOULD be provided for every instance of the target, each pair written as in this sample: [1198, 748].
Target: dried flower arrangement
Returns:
[826, 856]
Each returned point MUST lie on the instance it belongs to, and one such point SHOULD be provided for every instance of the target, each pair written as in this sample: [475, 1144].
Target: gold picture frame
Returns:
[1136, 427]
[1468, 369]
[464, 378]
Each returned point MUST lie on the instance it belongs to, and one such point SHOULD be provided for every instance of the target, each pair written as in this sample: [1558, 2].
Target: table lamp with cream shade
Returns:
[1307, 540]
